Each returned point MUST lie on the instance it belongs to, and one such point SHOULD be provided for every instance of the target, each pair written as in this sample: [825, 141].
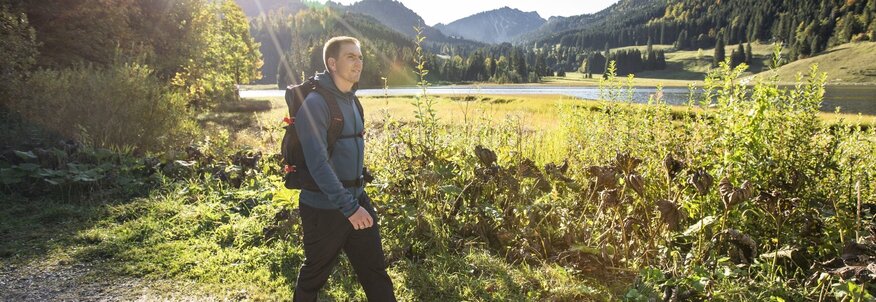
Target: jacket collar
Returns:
[326, 82]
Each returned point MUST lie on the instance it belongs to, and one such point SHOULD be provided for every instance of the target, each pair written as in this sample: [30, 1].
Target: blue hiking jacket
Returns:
[347, 159]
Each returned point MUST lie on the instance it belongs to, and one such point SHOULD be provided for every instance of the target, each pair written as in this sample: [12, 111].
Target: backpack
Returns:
[296, 174]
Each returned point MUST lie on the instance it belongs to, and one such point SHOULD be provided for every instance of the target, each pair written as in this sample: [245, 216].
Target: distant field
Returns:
[258, 87]
[666, 79]
[537, 112]
[682, 67]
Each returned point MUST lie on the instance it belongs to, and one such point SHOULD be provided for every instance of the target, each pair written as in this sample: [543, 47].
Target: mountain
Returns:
[253, 8]
[398, 17]
[495, 26]
[391, 13]
[622, 13]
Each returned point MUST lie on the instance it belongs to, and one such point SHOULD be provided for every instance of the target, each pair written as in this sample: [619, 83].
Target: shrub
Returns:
[122, 106]
[18, 47]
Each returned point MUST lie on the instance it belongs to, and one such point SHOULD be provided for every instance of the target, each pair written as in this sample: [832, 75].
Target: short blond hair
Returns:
[332, 48]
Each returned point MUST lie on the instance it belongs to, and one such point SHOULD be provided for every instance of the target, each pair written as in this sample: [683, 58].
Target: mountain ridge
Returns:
[494, 26]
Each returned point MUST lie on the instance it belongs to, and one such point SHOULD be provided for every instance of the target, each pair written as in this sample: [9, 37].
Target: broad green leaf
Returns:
[700, 225]
[28, 167]
[450, 189]
[25, 155]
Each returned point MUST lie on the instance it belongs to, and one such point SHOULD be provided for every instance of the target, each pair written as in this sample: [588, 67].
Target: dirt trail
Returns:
[77, 282]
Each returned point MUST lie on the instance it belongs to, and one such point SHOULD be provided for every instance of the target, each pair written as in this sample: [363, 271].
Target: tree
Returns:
[476, 68]
[848, 28]
[748, 55]
[241, 52]
[719, 51]
[650, 57]
[606, 55]
[682, 43]
[518, 63]
[816, 45]
[871, 32]
[86, 31]
[284, 74]
[489, 67]
[662, 33]
[227, 54]
[540, 66]
[503, 69]
[661, 60]
[737, 56]
[19, 48]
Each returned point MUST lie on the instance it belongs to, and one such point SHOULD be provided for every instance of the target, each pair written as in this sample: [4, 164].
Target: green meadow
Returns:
[488, 197]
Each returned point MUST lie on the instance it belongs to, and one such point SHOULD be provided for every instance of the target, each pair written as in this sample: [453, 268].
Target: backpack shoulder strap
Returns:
[336, 119]
[359, 106]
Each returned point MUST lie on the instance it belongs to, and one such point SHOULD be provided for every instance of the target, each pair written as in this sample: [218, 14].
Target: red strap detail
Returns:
[289, 169]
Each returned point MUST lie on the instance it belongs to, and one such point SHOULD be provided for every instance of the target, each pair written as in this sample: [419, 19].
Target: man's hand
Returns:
[361, 219]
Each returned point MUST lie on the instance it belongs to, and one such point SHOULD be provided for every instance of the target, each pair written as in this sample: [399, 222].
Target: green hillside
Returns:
[851, 63]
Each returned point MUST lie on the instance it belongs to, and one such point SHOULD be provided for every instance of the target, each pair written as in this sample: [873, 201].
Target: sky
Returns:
[446, 11]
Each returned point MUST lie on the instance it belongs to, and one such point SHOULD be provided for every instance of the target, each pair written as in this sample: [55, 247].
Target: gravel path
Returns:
[61, 282]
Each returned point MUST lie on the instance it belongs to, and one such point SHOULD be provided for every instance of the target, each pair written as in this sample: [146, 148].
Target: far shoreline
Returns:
[637, 83]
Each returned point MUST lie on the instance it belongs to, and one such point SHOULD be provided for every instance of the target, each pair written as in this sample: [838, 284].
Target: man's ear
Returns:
[332, 64]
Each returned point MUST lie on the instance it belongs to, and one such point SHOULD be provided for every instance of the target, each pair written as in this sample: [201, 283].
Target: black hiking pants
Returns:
[326, 233]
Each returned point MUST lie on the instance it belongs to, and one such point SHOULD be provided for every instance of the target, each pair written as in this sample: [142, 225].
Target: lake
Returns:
[851, 99]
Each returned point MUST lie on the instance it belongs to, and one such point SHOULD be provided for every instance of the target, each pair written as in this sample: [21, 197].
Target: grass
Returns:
[193, 231]
[537, 112]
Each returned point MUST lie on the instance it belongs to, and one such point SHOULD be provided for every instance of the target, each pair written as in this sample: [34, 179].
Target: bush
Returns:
[18, 46]
[121, 106]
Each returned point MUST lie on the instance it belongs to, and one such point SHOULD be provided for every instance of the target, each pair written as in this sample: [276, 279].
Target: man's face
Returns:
[348, 65]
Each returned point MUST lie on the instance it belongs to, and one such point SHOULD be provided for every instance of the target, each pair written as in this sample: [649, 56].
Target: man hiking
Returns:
[339, 216]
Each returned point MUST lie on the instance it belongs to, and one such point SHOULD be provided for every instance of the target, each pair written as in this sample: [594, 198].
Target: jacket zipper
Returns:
[356, 117]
